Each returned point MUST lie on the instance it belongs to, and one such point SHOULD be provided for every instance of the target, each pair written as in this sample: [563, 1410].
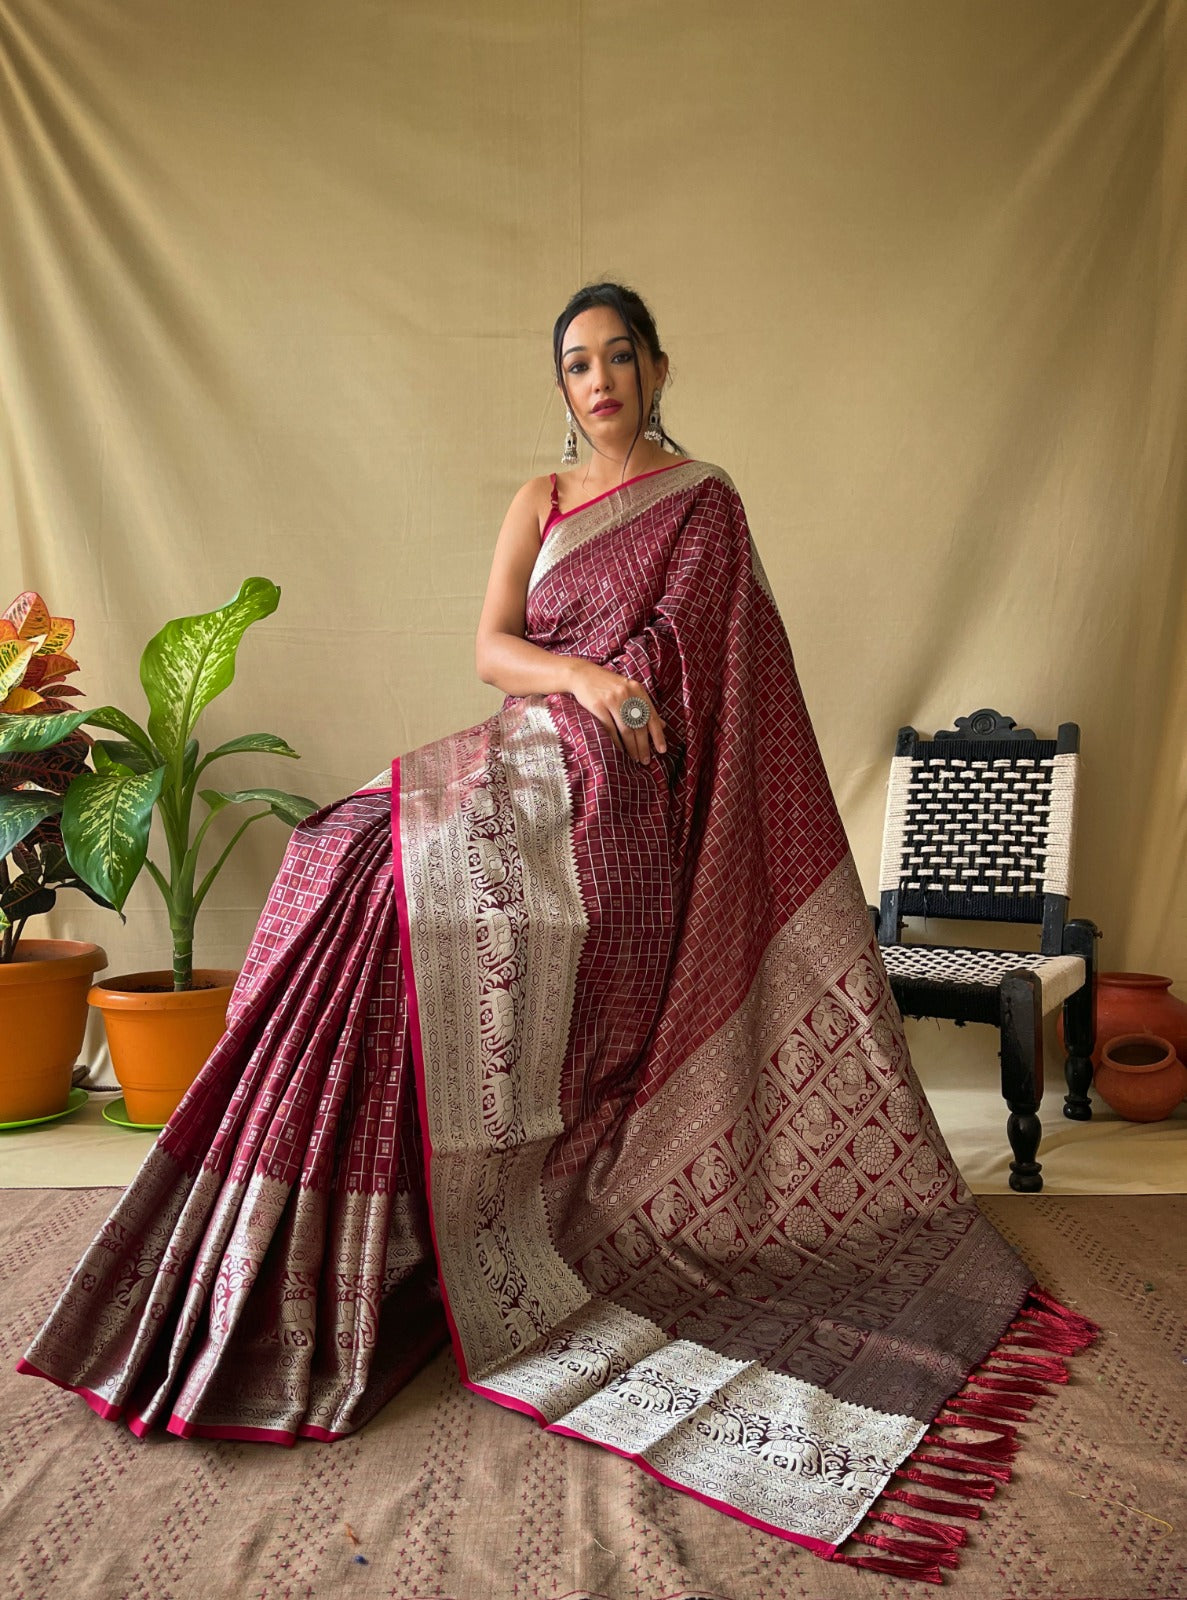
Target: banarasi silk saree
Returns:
[591, 1068]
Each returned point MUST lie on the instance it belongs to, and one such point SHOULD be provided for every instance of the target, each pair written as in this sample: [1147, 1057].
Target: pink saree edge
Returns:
[183, 1429]
[508, 1402]
[101, 1408]
[638, 478]
[418, 1060]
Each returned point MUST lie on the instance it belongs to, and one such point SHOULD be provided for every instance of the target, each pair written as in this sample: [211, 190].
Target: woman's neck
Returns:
[604, 472]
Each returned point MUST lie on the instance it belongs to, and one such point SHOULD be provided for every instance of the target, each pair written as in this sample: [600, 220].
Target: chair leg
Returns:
[1078, 1024]
[1022, 1075]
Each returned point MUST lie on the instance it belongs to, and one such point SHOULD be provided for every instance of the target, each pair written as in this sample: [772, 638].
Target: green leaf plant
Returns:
[106, 815]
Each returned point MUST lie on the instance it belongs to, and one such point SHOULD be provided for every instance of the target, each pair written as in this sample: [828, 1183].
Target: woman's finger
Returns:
[610, 722]
[637, 740]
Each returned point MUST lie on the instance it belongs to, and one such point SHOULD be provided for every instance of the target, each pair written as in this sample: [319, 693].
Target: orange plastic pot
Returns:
[160, 1040]
[43, 1016]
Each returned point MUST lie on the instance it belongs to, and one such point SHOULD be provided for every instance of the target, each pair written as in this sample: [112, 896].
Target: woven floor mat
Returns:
[445, 1495]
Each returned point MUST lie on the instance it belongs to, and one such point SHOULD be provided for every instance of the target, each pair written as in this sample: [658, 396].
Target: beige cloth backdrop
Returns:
[276, 295]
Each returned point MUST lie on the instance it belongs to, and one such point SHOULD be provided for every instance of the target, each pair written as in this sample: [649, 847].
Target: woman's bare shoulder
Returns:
[533, 499]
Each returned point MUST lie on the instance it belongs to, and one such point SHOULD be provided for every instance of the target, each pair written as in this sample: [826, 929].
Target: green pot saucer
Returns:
[76, 1098]
[116, 1112]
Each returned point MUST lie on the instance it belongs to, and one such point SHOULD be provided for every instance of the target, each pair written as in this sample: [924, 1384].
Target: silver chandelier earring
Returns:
[570, 457]
[654, 430]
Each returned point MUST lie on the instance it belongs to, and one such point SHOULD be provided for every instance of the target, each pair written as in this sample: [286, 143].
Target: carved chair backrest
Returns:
[980, 823]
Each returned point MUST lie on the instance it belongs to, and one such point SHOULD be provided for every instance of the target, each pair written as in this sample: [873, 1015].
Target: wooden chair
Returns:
[979, 826]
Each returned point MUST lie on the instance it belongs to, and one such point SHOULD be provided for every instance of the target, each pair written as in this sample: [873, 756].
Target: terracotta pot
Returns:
[1141, 1077]
[1137, 1002]
[160, 1040]
[43, 1016]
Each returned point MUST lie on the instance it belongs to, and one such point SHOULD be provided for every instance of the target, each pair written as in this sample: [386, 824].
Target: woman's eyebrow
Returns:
[574, 348]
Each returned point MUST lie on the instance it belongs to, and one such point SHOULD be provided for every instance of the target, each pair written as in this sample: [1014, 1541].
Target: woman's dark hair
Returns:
[640, 329]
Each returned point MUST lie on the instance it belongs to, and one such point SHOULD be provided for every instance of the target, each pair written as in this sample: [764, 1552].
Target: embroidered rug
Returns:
[449, 1498]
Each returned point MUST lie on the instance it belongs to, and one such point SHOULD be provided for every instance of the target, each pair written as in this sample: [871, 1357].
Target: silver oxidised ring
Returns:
[635, 712]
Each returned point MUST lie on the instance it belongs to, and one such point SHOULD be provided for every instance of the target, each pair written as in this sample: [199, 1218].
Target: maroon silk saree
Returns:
[592, 1068]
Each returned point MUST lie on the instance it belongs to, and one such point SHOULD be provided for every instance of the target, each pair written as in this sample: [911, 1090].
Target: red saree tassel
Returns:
[1013, 1363]
[1043, 1323]
[955, 1464]
[933, 1532]
[985, 1408]
[917, 1571]
[923, 1502]
[997, 1395]
[979, 1450]
[1040, 1296]
[1019, 1399]
[978, 1489]
[1062, 1343]
[943, 1555]
[1013, 1388]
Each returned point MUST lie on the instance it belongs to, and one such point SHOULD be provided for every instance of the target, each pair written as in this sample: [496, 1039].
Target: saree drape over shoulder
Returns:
[591, 1067]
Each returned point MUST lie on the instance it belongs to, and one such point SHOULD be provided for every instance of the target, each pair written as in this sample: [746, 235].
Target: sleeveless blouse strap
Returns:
[556, 504]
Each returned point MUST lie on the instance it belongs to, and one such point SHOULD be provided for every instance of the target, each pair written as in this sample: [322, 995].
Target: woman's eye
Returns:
[624, 355]
[578, 366]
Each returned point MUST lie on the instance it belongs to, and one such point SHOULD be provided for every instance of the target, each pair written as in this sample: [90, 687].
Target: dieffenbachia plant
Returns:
[106, 815]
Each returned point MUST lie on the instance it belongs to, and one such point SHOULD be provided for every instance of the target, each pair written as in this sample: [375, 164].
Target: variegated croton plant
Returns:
[63, 823]
[33, 864]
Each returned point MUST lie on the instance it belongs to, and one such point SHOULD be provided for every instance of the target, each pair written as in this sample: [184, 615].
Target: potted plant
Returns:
[162, 1025]
[43, 982]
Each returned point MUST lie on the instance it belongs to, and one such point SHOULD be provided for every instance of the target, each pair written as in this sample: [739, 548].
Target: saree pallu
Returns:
[590, 1067]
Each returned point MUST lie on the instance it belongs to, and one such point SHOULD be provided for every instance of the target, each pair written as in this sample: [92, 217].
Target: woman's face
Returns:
[599, 368]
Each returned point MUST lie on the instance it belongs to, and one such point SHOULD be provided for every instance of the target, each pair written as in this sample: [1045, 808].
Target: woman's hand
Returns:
[603, 692]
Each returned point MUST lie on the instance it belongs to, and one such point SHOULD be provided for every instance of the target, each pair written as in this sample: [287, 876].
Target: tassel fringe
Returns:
[997, 1395]
[1011, 1388]
[1002, 1448]
[943, 1555]
[933, 1532]
[980, 1489]
[943, 1508]
[988, 1468]
[986, 1408]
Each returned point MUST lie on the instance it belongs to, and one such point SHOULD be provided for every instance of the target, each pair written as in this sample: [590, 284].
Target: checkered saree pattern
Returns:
[687, 1198]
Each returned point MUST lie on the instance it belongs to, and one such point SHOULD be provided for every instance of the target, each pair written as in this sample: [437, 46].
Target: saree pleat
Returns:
[241, 1284]
[592, 1068]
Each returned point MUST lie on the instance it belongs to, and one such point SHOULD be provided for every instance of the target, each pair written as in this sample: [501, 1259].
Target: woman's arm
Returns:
[502, 655]
[505, 659]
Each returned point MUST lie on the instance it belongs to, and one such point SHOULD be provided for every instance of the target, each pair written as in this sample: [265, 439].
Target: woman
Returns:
[572, 1045]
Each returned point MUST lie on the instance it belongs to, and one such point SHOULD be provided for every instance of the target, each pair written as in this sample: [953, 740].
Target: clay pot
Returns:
[1136, 1002]
[1141, 1077]
[160, 1040]
[43, 1016]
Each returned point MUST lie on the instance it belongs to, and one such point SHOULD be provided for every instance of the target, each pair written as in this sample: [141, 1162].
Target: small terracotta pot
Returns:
[1141, 1077]
[1136, 1002]
[160, 1040]
[43, 1016]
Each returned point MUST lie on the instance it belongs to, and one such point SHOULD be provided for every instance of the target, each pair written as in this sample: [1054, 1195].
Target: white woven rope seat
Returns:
[1060, 976]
